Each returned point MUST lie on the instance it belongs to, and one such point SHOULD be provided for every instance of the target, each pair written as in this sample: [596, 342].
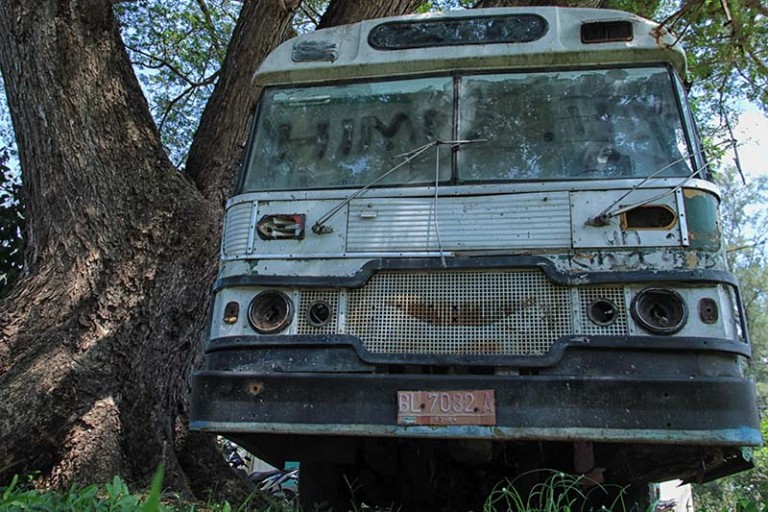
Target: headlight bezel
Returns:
[659, 303]
[270, 312]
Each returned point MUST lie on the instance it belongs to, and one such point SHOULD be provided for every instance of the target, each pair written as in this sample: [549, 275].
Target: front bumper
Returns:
[704, 411]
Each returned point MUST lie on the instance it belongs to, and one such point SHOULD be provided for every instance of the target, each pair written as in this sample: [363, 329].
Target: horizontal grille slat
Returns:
[490, 222]
[238, 222]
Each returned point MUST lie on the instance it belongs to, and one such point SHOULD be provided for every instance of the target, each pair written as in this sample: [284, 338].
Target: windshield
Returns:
[592, 124]
[349, 135]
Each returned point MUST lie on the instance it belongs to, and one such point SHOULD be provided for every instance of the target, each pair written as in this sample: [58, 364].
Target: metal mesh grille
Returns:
[587, 296]
[308, 297]
[515, 312]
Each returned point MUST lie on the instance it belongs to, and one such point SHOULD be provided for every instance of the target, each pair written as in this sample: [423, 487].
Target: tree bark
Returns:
[342, 12]
[97, 341]
[216, 150]
[482, 4]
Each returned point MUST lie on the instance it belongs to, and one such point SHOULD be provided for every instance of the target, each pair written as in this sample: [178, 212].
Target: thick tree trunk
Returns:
[98, 340]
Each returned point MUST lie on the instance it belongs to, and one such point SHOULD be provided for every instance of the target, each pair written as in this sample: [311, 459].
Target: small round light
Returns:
[270, 312]
[319, 313]
[603, 312]
[659, 311]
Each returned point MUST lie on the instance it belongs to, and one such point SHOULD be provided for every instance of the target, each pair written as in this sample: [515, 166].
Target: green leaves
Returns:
[114, 496]
[152, 503]
[177, 48]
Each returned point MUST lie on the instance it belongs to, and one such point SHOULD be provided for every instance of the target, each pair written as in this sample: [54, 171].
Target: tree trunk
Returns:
[97, 341]
[217, 147]
[214, 157]
[341, 12]
[99, 338]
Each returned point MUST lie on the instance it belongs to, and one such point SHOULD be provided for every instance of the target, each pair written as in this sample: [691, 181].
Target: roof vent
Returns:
[606, 32]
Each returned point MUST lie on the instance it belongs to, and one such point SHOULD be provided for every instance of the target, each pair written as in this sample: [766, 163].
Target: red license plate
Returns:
[477, 407]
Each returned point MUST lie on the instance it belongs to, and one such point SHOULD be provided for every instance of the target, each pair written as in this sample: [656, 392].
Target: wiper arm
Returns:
[604, 217]
[319, 227]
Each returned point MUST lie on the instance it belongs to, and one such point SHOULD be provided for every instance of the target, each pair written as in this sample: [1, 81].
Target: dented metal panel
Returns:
[587, 206]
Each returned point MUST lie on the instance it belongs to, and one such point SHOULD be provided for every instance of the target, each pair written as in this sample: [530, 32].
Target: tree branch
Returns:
[217, 146]
[746, 246]
[341, 12]
[173, 69]
[171, 104]
[163, 63]
[758, 6]
[212, 29]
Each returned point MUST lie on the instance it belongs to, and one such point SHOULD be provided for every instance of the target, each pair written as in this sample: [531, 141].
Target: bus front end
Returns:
[463, 261]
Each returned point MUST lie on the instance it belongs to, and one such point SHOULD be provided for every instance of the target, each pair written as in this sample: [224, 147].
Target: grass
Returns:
[114, 496]
[559, 492]
[110, 497]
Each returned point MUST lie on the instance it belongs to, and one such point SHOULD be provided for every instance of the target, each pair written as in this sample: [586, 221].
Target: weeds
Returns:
[113, 496]
[559, 492]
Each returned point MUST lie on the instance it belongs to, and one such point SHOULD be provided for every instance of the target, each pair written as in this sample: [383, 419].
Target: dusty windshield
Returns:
[593, 124]
[573, 124]
[348, 135]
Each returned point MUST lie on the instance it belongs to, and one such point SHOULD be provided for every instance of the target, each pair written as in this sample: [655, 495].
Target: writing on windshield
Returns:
[534, 126]
[344, 136]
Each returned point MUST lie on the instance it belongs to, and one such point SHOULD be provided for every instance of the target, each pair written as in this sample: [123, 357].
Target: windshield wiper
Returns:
[320, 228]
[604, 217]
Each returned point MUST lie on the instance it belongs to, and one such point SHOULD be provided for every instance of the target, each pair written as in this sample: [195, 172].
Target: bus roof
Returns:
[570, 37]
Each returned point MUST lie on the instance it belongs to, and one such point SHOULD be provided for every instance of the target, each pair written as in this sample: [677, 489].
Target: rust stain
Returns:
[692, 260]
[256, 388]
[692, 192]
[459, 313]
[483, 347]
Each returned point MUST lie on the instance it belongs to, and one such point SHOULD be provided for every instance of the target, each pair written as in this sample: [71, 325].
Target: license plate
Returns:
[477, 407]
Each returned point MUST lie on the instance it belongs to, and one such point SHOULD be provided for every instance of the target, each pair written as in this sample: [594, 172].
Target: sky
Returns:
[751, 132]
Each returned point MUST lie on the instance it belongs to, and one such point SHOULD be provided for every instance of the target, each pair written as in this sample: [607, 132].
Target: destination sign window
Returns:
[516, 28]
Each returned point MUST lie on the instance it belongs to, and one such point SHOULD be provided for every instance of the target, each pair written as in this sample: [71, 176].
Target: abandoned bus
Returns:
[469, 245]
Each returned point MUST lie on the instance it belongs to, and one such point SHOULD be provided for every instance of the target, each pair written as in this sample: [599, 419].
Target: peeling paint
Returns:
[692, 192]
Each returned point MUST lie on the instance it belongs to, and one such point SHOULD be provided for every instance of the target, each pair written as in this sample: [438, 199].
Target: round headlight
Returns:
[270, 312]
[659, 311]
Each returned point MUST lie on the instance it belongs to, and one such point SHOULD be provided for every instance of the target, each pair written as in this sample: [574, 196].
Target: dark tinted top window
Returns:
[520, 28]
